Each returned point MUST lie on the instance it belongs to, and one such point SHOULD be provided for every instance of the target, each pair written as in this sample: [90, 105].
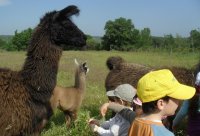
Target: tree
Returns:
[6, 44]
[157, 42]
[119, 33]
[93, 44]
[169, 42]
[195, 39]
[145, 38]
[2, 43]
[181, 43]
[21, 40]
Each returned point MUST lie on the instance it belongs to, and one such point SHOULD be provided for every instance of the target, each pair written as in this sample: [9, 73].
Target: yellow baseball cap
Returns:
[158, 84]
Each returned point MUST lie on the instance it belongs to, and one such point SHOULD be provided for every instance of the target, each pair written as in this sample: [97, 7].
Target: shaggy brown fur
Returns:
[123, 72]
[69, 99]
[25, 94]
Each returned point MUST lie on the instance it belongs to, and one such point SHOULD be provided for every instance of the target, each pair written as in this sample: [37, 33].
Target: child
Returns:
[160, 94]
[125, 112]
[116, 126]
[192, 109]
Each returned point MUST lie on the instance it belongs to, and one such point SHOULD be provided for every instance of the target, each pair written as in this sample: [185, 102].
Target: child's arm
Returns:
[124, 111]
[112, 106]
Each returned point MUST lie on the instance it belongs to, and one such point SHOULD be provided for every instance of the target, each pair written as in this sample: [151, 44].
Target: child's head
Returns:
[159, 91]
[123, 94]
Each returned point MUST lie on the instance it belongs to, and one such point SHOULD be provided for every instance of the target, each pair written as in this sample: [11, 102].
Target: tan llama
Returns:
[69, 99]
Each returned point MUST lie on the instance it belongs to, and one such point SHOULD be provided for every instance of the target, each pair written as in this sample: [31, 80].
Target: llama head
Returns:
[62, 31]
[82, 68]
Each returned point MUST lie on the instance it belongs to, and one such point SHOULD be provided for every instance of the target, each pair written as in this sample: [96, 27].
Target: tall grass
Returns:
[95, 91]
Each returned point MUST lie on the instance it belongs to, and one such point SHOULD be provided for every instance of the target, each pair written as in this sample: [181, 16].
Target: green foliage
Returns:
[157, 42]
[6, 44]
[169, 42]
[6, 38]
[21, 40]
[9, 46]
[2, 43]
[195, 39]
[57, 121]
[119, 33]
[93, 44]
[181, 44]
[145, 41]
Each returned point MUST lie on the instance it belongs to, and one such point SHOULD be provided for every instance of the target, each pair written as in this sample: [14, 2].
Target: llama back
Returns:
[130, 73]
[184, 75]
[123, 72]
[66, 98]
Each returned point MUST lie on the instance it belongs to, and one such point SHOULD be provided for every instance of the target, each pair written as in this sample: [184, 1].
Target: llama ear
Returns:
[67, 12]
[84, 64]
[70, 10]
[76, 62]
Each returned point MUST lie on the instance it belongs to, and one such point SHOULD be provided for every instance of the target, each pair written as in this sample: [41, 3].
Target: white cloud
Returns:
[4, 2]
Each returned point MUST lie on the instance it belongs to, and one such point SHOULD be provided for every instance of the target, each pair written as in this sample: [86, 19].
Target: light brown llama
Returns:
[69, 99]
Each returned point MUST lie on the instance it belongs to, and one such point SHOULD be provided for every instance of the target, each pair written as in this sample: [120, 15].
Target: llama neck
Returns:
[41, 66]
[80, 82]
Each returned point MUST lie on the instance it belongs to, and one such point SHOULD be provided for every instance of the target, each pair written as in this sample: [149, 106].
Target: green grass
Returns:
[95, 91]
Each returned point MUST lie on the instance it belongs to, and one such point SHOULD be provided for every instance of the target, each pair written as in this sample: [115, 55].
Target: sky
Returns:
[163, 17]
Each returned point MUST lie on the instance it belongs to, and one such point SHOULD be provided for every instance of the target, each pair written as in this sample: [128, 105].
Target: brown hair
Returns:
[151, 107]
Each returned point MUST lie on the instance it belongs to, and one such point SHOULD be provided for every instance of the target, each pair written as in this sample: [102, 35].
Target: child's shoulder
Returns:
[152, 127]
[148, 122]
[161, 130]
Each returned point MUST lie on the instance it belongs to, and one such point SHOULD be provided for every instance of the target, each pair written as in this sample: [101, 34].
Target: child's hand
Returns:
[94, 127]
[104, 109]
[93, 121]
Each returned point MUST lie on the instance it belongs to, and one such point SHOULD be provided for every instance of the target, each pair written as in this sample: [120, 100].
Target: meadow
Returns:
[95, 91]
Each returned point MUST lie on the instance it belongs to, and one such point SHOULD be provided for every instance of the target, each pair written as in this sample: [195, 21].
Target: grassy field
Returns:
[95, 91]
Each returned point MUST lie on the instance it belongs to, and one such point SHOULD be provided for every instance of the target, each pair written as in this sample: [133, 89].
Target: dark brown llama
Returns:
[69, 99]
[25, 94]
[123, 72]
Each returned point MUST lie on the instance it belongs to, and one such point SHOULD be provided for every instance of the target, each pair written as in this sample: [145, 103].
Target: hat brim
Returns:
[110, 93]
[182, 92]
